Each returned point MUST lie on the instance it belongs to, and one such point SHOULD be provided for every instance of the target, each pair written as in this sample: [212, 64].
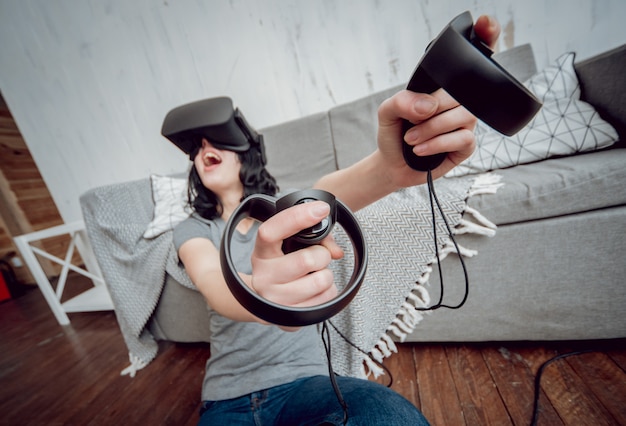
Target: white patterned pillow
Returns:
[565, 125]
[170, 204]
[557, 81]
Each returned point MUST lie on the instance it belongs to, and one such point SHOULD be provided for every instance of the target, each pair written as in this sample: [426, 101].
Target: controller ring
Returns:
[457, 61]
[262, 207]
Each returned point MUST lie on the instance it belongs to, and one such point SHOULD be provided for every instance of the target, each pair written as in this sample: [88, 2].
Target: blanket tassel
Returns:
[136, 364]
[408, 317]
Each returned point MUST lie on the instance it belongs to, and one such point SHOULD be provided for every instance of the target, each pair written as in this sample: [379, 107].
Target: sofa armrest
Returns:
[602, 85]
[300, 151]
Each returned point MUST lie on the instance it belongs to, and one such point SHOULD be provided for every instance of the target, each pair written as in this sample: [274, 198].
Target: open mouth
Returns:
[211, 159]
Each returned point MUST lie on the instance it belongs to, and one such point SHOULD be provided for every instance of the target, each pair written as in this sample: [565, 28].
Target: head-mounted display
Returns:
[214, 119]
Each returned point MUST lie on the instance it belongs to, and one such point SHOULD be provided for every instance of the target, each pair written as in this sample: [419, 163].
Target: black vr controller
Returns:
[262, 207]
[460, 63]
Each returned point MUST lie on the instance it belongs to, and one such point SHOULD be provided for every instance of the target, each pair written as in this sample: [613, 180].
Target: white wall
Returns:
[89, 82]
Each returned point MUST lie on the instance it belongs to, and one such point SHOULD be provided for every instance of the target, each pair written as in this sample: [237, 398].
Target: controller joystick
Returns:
[460, 63]
[315, 234]
[262, 207]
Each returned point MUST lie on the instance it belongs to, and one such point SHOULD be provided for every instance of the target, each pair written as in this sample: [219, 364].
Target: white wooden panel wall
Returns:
[89, 82]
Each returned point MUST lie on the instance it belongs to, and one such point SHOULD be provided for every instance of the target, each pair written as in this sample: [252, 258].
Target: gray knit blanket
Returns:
[398, 231]
[401, 244]
[134, 268]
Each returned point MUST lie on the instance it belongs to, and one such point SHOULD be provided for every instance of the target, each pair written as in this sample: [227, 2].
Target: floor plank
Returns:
[440, 401]
[514, 382]
[405, 383]
[70, 375]
[568, 393]
[480, 401]
[618, 356]
[605, 379]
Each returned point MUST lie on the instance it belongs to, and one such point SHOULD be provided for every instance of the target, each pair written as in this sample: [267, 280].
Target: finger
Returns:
[285, 224]
[488, 29]
[422, 105]
[411, 106]
[445, 101]
[309, 290]
[458, 144]
[454, 158]
[320, 298]
[290, 267]
[336, 252]
[426, 136]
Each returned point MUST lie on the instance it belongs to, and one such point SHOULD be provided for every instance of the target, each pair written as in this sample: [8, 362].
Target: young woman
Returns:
[259, 373]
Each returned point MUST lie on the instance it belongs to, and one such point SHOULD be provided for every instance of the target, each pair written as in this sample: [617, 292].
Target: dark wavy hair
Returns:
[253, 175]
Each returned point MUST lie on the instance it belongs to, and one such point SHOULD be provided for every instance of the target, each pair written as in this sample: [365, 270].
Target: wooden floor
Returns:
[53, 375]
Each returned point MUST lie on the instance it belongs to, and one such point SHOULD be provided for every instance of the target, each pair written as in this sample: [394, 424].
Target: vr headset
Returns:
[217, 121]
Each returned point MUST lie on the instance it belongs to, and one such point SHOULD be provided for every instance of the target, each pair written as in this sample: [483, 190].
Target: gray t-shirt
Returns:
[249, 357]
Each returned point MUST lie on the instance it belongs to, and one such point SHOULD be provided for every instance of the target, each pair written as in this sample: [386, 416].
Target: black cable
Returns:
[326, 340]
[533, 421]
[380, 364]
[434, 200]
[439, 304]
[333, 380]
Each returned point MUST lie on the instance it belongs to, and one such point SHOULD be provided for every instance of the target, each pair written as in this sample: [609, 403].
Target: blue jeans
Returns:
[312, 401]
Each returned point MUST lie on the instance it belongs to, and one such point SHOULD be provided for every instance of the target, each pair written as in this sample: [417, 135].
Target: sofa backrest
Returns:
[300, 151]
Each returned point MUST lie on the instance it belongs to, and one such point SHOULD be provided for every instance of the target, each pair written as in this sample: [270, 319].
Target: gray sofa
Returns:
[555, 270]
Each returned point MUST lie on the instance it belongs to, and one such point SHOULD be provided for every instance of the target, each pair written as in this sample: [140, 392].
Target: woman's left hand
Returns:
[300, 278]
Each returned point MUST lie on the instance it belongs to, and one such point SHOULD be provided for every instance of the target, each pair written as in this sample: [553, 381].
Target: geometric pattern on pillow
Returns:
[170, 204]
[565, 125]
[557, 81]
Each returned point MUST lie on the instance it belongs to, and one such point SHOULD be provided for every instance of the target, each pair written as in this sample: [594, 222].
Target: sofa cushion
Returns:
[565, 125]
[354, 127]
[300, 151]
[557, 187]
[554, 279]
